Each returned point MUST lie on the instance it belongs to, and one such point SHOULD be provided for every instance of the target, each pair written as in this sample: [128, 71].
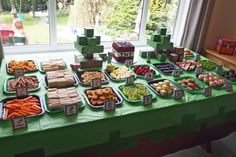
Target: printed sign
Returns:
[18, 72]
[71, 109]
[19, 123]
[149, 76]
[147, 99]
[96, 83]
[199, 70]
[178, 94]
[130, 80]
[197, 58]
[219, 69]
[21, 91]
[207, 91]
[128, 62]
[109, 105]
[229, 87]
[176, 72]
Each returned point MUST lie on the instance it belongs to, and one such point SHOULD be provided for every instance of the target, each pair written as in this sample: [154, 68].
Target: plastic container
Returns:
[24, 70]
[13, 92]
[145, 65]
[46, 83]
[120, 100]
[60, 110]
[161, 80]
[2, 110]
[136, 101]
[80, 73]
[165, 68]
[215, 87]
[191, 91]
[118, 80]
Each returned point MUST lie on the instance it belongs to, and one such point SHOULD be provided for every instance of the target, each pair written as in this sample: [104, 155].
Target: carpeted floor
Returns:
[225, 147]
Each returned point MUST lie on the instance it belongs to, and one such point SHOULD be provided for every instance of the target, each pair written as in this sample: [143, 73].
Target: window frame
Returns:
[53, 46]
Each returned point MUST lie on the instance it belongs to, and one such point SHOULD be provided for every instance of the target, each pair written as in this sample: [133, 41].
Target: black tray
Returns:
[2, 110]
[102, 106]
[79, 73]
[46, 82]
[172, 66]
[161, 80]
[12, 73]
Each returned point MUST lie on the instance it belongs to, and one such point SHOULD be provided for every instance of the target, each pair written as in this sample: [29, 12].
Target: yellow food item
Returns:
[89, 75]
[121, 73]
[164, 88]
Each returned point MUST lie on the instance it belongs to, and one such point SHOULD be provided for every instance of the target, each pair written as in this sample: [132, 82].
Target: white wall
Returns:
[222, 23]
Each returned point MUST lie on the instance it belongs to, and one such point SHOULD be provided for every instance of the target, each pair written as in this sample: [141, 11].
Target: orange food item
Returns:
[26, 65]
[28, 106]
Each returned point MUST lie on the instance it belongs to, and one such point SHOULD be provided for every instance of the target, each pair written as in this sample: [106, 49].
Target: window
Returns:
[111, 19]
[162, 13]
[54, 24]
[23, 24]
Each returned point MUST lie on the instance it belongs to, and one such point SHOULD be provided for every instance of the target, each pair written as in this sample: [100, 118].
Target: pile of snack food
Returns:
[97, 97]
[188, 54]
[135, 91]
[119, 73]
[230, 75]
[60, 78]
[58, 98]
[29, 106]
[188, 65]
[164, 88]
[88, 76]
[31, 82]
[27, 65]
[190, 84]
[53, 65]
[165, 67]
[212, 80]
[208, 65]
[142, 70]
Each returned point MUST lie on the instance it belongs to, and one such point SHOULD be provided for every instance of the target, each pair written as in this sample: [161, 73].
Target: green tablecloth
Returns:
[56, 133]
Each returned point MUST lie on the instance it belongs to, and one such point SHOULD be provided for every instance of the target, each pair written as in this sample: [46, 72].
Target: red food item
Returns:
[142, 70]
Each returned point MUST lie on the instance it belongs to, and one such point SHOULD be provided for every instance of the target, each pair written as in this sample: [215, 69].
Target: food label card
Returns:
[149, 76]
[96, 83]
[147, 99]
[229, 87]
[207, 91]
[19, 123]
[109, 105]
[219, 69]
[21, 91]
[128, 62]
[176, 72]
[18, 72]
[71, 109]
[199, 70]
[197, 58]
[130, 80]
[178, 94]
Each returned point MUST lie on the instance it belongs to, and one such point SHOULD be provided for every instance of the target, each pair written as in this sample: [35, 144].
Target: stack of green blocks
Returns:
[89, 44]
[159, 40]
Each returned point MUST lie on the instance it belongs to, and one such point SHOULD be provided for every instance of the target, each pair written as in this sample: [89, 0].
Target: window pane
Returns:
[23, 24]
[111, 19]
[162, 13]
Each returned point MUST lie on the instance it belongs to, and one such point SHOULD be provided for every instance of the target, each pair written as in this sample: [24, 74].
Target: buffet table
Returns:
[165, 119]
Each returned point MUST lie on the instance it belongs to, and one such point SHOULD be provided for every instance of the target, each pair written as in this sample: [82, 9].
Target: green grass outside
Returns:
[37, 30]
